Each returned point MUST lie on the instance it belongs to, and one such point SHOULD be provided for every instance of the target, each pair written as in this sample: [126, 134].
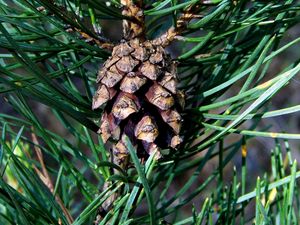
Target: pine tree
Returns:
[139, 130]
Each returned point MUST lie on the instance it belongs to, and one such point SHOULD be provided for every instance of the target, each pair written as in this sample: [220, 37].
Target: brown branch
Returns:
[45, 177]
[181, 25]
[102, 43]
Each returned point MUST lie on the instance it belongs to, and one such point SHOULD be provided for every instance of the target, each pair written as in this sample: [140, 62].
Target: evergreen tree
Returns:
[151, 128]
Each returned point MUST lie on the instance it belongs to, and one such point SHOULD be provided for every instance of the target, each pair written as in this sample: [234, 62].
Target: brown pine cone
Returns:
[138, 83]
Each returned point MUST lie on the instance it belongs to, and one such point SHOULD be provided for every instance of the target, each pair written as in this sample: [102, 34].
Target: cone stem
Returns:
[134, 26]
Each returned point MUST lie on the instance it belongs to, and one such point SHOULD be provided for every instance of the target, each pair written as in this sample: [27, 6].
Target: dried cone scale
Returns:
[137, 87]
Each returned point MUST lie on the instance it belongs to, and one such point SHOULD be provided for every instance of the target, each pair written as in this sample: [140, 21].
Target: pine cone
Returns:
[138, 83]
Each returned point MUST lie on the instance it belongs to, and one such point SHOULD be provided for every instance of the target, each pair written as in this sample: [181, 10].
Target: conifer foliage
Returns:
[159, 126]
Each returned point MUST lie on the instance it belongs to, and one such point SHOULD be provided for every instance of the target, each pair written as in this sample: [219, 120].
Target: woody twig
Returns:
[181, 24]
[103, 43]
[46, 179]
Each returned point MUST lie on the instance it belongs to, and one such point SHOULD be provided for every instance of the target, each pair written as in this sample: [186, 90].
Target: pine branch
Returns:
[45, 177]
[181, 25]
[74, 24]
[236, 42]
[100, 41]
